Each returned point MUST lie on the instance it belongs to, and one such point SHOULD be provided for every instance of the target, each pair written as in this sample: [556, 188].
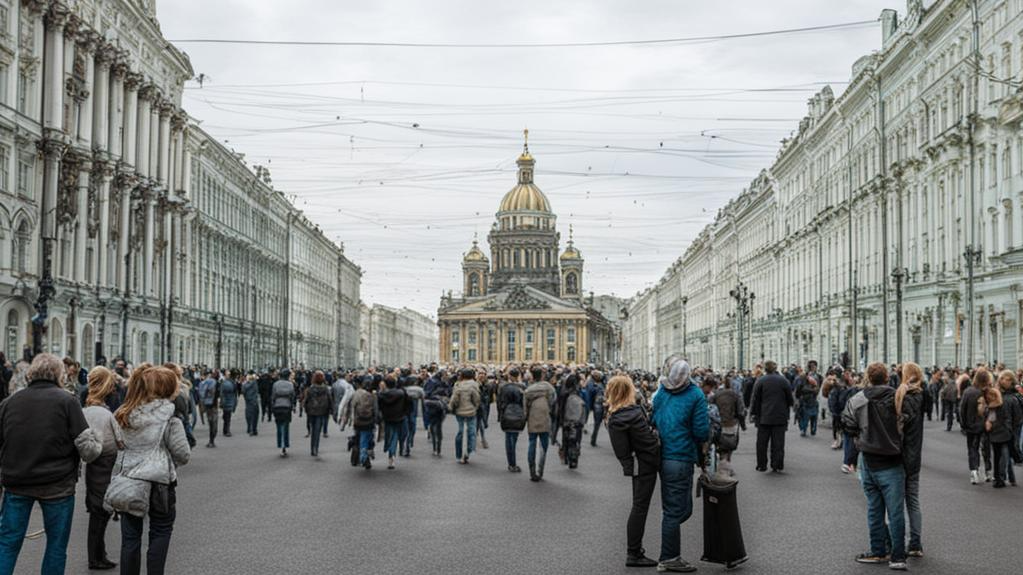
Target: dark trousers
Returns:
[511, 439]
[160, 527]
[264, 403]
[212, 419]
[949, 413]
[975, 444]
[1003, 463]
[315, 427]
[571, 438]
[436, 433]
[642, 491]
[227, 421]
[97, 545]
[251, 418]
[775, 436]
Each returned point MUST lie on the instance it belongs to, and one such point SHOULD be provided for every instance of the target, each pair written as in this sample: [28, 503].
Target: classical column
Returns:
[186, 167]
[53, 120]
[131, 103]
[163, 174]
[168, 249]
[101, 100]
[145, 99]
[147, 266]
[124, 186]
[186, 267]
[106, 175]
[81, 230]
[115, 108]
[154, 139]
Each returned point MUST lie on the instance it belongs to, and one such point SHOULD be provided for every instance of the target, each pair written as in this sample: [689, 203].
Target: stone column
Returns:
[81, 230]
[131, 104]
[115, 109]
[88, 46]
[145, 98]
[186, 166]
[163, 173]
[168, 249]
[101, 100]
[147, 266]
[106, 175]
[186, 265]
[124, 189]
[154, 139]
[53, 113]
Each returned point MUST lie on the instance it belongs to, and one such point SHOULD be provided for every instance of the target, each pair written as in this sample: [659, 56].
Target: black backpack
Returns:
[514, 416]
[319, 399]
[598, 402]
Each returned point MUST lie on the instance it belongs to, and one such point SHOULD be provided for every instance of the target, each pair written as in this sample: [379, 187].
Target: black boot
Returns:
[639, 560]
[532, 472]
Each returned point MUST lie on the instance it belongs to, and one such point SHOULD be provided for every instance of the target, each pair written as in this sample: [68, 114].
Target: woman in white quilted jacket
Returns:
[155, 445]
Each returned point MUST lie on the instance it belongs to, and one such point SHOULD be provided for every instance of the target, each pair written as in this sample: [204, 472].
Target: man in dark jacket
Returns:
[393, 402]
[871, 418]
[266, 384]
[43, 435]
[511, 414]
[772, 399]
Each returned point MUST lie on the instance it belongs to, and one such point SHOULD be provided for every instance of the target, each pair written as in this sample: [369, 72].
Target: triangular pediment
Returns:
[514, 299]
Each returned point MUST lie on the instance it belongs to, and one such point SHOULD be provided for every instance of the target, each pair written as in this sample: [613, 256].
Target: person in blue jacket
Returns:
[229, 399]
[679, 412]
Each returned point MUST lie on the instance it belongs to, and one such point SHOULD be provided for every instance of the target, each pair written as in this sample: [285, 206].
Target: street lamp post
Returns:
[685, 300]
[899, 275]
[972, 255]
[743, 298]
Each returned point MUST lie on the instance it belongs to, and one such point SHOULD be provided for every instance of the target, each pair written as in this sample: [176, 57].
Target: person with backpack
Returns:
[209, 395]
[572, 416]
[282, 403]
[596, 403]
[949, 394]
[365, 417]
[266, 385]
[872, 419]
[250, 391]
[637, 448]
[539, 401]
[393, 402]
[229, 398]
[435, 406]
[487, 387]
[910, 406]
[465, 404]
[316, 403]
[511, 414]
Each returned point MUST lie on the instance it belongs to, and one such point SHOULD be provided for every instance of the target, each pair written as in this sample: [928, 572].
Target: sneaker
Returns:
[898, 565]
[846, 469]
[916, 553]
[390, 463]
[639, 560]
[836, 444]
[974, 477]
[871, 559]
[677, 565]
[988, 477]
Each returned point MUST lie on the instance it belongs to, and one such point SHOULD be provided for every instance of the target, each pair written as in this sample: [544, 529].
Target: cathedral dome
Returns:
[525, 198]
[571, 254]
[475, 254]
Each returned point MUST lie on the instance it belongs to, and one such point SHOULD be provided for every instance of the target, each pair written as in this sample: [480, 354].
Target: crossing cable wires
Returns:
[652, 42]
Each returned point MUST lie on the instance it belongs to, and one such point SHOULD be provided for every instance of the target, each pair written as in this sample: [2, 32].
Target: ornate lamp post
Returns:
[743, 298]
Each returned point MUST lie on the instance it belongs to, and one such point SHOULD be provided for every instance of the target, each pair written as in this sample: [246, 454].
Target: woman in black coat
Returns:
[636, 446]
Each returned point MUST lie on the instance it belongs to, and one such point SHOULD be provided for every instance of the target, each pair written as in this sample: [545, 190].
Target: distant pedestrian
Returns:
[316, 403]
[435, 406]
[1003, 416]
[250, 391]
[393, 402]
[596, 398]
[772, 399]
[539, 399]
[571, 418]
[282, 402]
[229, 389]
[209, 395]
[971, 419]
[365, 417]
[511, 414]
[910, 407]
[465, 404]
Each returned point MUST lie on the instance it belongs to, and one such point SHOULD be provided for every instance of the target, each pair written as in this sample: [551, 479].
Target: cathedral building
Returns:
[524, 302]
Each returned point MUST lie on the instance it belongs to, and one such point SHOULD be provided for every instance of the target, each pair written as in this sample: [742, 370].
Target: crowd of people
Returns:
[133, 426]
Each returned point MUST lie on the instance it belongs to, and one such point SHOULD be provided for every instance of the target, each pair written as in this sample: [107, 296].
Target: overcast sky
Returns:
[404, 153]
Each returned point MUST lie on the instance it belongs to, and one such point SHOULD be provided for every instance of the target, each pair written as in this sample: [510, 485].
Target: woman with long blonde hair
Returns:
[971, 418]
[155, 445]
[636, 446]
[101, 385]
[909, 406]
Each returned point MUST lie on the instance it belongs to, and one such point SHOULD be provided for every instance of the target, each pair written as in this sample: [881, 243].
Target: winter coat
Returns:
[730, 407]
[229, 395]
[154, 443]
[103, 424]
[772, 398]
[806, 392]
[633, 439]
[680, 416]
[313, 393]
[871, 419]
[539, 398]
[250, 391]
[393, 404]
[949, 391]
[282, 395]
[361, 397]
[1006, 418]
[912, 432]
[969, 418]
[465, 398]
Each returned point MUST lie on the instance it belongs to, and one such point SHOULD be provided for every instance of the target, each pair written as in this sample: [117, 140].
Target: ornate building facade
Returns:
[525, 301]
[125, 230]
[396, 337]
[890, 226]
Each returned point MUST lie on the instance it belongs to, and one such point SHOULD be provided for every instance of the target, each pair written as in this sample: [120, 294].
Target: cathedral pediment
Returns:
[518, 299]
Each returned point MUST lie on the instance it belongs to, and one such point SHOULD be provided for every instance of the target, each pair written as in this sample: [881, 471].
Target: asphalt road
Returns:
[243, 509]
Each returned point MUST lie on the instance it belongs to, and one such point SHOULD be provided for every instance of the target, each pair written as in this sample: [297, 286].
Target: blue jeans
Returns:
[913, 511]
[545, 439]
[14, 516]
[365, 444]
[392, 432]
[316, 425]
[886, 495]
[511, 438]
[676, 503]
[410, 433]
[808, 418]
[283, 435]
[851, 454]
[467, 424]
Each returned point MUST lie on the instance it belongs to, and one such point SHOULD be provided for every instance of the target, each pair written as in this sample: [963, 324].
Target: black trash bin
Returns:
[722, 533]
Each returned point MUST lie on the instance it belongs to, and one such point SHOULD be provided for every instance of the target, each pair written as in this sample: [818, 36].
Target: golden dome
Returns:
[475, 254]
[571, 253]
[525, 197]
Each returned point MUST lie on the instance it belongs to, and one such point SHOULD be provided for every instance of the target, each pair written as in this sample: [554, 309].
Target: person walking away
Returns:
[97, 473]
[250, 391]
[393, 403]
[539, 399]
[154, 447]
[949, 394]
[807, 390]
[316, 403]
[870, 417]
[435, 406]
[596, 407]
[679, 412]
[772, 398]
[1009, 384]
[971, 420]
[1001, 418]
[229, 399]
[487, 387]
[282, 403]
[511, 414]
[465, 404]
[209, 394]
[636, 447]
[184, 407]
[266, 385]
[43, 436]
[910, 408]
[831, 390]
[365, 416]
[415, 403]
[571, 418]
[733, 418]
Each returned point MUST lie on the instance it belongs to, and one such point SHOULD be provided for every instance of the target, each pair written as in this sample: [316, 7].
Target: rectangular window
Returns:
[24, 179]
[454, 337]
[529, 354]
[529, 336]
[5, 168]
[454, 355]
[23, 90]
[511, 345]
[491, 344]
[472, 336]
[4, 70]
[550, 345]
[570, 337]
[472, 354]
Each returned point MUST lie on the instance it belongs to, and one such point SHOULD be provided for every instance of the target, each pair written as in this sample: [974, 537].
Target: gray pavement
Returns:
[243, 509]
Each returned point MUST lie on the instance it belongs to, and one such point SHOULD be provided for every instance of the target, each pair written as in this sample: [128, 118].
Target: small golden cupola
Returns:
[476, 269]
[571, 270]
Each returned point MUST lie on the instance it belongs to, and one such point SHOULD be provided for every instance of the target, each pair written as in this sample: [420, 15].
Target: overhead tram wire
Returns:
[653, 42]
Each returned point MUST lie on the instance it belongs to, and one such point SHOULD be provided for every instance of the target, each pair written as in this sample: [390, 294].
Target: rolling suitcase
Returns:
[722, 533]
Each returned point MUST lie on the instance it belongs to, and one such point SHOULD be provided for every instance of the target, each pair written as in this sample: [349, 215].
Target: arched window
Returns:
[571, 284]
[474, 285]
[56, 335]
[11, 336]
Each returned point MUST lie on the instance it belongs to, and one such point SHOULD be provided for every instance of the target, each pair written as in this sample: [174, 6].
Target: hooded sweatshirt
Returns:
[154, 443]
[680, 415]
[634, 440]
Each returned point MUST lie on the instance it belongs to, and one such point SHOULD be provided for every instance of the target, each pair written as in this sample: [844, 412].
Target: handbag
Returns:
[729, 441]
[128, 494]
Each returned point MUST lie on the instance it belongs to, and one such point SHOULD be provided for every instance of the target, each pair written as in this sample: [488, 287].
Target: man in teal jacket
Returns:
[680, 415]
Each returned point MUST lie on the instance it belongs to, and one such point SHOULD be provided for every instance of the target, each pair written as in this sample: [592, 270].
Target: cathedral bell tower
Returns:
[476, 271]
[571, 271]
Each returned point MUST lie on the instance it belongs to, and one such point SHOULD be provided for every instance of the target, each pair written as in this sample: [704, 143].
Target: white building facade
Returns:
[860, 241]
[138, 234]
[395, 337]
